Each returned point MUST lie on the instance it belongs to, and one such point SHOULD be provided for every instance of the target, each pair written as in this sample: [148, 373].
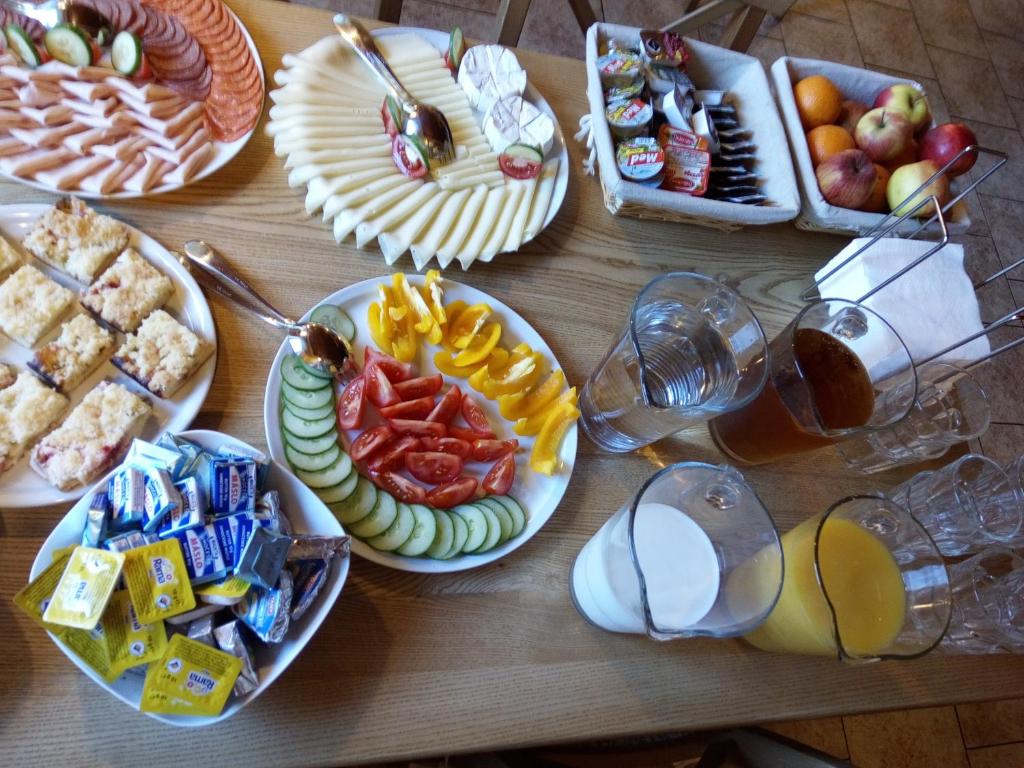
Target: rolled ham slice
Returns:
[69, 175]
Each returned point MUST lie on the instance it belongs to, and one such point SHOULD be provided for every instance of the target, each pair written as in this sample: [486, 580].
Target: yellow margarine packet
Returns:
[85, 587]
[35, 596]
[90, 645]
[224, 592]
[131, 643]
[62, 552]
[191, 679]
[158, 581]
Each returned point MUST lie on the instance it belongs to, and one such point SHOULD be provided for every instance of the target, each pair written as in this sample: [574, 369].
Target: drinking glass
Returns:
[1015, 469]
[864, 581]
[988, 603]
[965, 505]
[691, 349]
[951, 407]
[837, 370]
[693, 553]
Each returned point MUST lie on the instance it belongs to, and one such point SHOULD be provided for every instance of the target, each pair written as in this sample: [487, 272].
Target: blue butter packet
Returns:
[189, 514]
[161, 498]
[232, 485]
[147, 455]
[125, 541]
[97, 518]
[242, 452]
[267, 611]
[233, 533]
[126, 491]
[203, 558]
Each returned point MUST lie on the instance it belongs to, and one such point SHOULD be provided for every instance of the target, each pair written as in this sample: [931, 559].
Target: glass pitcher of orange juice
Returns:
[863, 581]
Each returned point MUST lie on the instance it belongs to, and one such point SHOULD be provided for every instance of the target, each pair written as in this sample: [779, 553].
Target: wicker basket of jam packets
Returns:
[685, 131]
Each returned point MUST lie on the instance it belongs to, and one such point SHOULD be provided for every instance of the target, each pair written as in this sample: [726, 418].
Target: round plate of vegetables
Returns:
[456, 442]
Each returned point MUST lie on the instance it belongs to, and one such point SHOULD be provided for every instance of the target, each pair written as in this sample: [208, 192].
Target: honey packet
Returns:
[84, 589]
[191, 679]
[34, 597]
[130, 643]
[158, 581]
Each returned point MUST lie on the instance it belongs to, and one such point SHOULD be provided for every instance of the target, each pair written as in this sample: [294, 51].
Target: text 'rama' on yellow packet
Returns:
[85, 587]
[158, 581]
[191, 679]
[35, 596]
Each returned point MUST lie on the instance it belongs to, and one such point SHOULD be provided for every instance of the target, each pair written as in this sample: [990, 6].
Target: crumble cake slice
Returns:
[10, 259]
[31, 304]
[127, 291]
[67, 360]
[162, 354]
[75, 239]
[7, 375]
[28, 409]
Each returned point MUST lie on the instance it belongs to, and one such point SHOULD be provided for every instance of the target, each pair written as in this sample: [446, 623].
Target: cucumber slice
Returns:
[311, 446]
[68, 43]
[296, 374]
[292, 424]
[126, 53]
[335, 319]
[423, 532]
[461, 531]
[340, 492]
[308, 463]
[504, 518]
[320, 374]
[380, 518]
[456, 49]
[517, 511]
[329, 476]
[309, 414]
[493, 530]
[307, 398]
[397, 533]
[358, 505]
[444, 535]
[22, 45]
[477, 524]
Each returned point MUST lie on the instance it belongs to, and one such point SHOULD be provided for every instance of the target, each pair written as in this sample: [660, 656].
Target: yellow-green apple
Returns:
[846, 178]
[944, 142]
[906, 157]
[883, 133]
[907, 179]
[851, 113]
[908, 100]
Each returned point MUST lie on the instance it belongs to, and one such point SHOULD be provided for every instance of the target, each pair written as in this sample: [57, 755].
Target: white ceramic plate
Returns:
[306, 513]
[223, 152]
[20, 486]
[538, 494]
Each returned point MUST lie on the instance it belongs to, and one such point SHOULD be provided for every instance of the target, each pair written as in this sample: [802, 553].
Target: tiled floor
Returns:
[969, 56]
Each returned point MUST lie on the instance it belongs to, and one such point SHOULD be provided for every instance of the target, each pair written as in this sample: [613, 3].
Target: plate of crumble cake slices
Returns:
[104, 337]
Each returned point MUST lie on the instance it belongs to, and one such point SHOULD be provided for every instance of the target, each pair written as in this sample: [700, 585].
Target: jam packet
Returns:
[84, 588]
[158, 581]
[190, 679]
[35, 596]
[130, 643]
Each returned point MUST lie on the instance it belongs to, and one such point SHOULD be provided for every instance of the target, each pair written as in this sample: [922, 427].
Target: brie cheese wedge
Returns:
[489, 72]
[513, 120]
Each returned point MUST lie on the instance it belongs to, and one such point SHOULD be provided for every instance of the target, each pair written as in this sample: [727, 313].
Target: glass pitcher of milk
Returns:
[675, 561]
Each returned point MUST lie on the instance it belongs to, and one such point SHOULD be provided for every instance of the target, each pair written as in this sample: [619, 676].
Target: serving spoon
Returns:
[423, 122]
[50, 13]
[319, 347]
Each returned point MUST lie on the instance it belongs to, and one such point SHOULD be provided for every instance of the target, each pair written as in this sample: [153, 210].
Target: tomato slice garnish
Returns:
[448, 407]
[452, 445]
[378, 388]
[395, 370]
[499, 479]
[489, 450]
[452, 494]
[433, 467]
[371, 441]
[351, 403]
[418, 428]
[422, 386]
[461, 433]
[410, 409]
[475, 417]
[393, 455]
[402, 488]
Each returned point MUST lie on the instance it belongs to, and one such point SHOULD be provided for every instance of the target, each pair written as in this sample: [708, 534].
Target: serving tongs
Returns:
[50, 13]
[319, 346]
[425, 124]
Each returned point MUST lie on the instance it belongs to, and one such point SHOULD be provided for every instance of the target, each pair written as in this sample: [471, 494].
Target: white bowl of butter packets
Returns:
[190, 577]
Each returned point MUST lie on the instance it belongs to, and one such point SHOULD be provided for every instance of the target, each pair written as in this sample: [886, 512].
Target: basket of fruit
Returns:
[685, 131]
[866, 148]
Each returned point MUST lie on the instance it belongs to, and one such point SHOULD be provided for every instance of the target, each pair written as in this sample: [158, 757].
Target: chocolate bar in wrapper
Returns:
[201, 629]
[309, 578]
[230, 640]
[318, 547]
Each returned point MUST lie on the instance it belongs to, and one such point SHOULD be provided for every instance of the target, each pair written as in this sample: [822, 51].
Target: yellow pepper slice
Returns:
[380, 331]
[522, 404]
[404, 341]
[433, 295]
[467, 324]
[446, 365]
[413, 301]
[544, 456]
[518, 376]
[452, 311]
[531, 425]
[481, 379]
[480, 346]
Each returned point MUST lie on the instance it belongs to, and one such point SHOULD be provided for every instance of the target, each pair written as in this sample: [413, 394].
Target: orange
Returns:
[826, 140]
[818, 101]
[876, 202]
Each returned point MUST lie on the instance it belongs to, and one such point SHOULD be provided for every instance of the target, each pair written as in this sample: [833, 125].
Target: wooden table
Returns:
[495, 657]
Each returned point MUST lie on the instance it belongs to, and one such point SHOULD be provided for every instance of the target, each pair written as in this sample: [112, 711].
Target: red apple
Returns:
[907, 99]
[944, 142]
[847, 178]
[906, 157]
[883, 133]
[907, 179]
[851, 113]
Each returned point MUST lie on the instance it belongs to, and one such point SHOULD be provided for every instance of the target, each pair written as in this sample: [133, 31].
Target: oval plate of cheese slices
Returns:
[327, 122]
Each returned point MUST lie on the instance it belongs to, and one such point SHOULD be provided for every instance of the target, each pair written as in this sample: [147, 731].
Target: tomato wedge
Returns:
[393, 455]
[468, 435]
[378, 388]
[446, 409]
[418, 428]
[422, 386]
[489, 450]
[395, 370]
[499, 479]
[351, 403]
[433, 467]
[475, 417]
[410, 409]
[400, 487]
[452, 445]
[371, 441]
[452, 494]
